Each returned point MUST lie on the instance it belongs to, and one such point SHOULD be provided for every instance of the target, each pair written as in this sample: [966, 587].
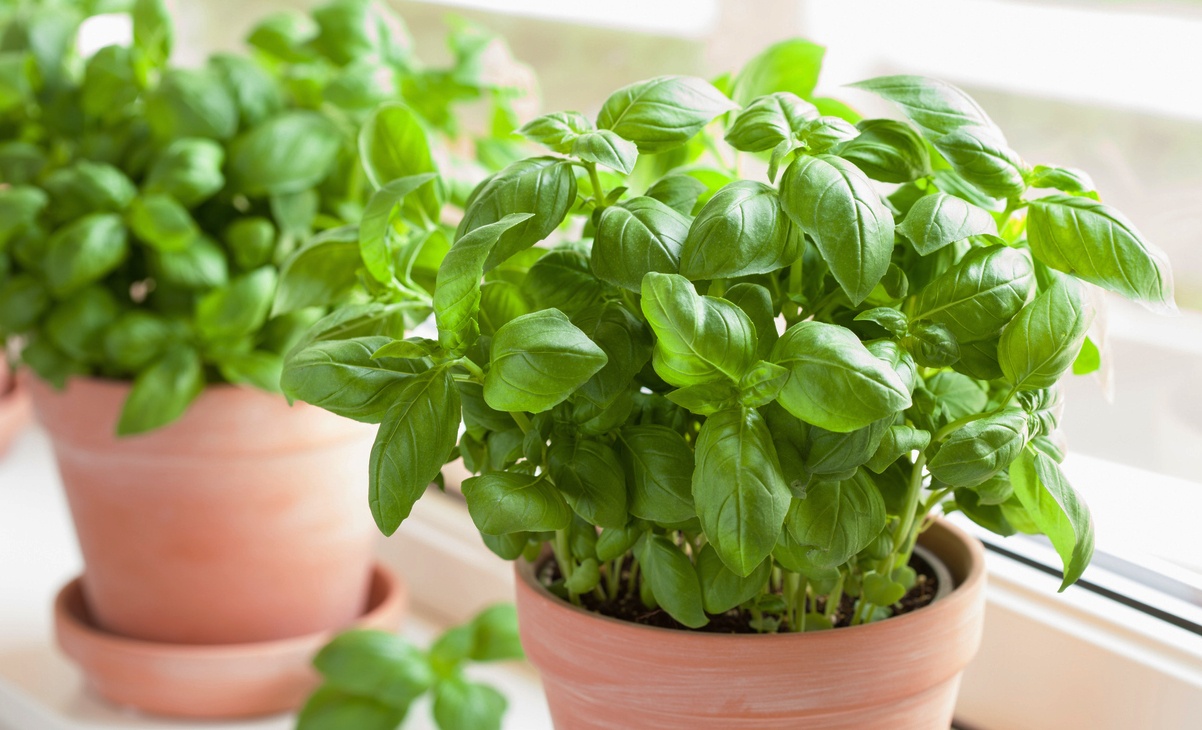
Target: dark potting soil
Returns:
[737, 621]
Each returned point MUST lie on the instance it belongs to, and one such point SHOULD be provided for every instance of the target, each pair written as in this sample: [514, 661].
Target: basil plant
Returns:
[148, 211]
[755, 346]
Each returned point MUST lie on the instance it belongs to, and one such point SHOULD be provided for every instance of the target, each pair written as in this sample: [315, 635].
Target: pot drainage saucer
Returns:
[207, 680]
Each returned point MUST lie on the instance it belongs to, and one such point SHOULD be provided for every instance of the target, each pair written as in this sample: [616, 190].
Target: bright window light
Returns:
[104, 30]
[686, 18]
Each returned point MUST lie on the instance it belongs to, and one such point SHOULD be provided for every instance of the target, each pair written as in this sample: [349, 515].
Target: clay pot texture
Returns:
[901, 674]
[15, 408]
[244, 521]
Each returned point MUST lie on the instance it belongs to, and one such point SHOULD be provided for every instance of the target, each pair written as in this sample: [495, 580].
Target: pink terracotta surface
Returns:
[214, 681]
[245, 521]
[903, 673]
[15, 408]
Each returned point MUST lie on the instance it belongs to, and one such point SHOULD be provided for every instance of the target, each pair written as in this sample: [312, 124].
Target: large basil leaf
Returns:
[937, 107]
[698, 339]
[460, 704]
[160, 222]
[976, 452]
[592, 480]
[393, 145]
[982, 158]
[662, 466]
[85, 251]
[978, 296]
[626, 343]
[836, 205]
[191, 103]
[1057, 510]
[286, 154]
[834, 455]
[673, 580]
[740, 494]
[663, 112]
[679, 192]
[538, 360]
[937, 220]
[188, 170]
[638, 236]
[457, 292]
[237, 308]
[888, 151]
[342, 377]
[722, 589]
[1042, 341]
[321, 273]
[1094, 242]
[415, 439]
[834, 381]
[563, 279]
[377, 664]
[544, 187]
[162, 392]
[837, 519]
[790, 65]
[768, 121]
[741, 231]
[505, 502]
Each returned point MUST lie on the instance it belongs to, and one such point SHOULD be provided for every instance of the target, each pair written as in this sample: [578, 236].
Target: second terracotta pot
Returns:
[244, 521]
[15, 409]
[903, 673]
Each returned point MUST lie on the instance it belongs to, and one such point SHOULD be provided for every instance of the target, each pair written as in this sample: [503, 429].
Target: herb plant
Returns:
[757, 346]
[371, 678]
[148, 212]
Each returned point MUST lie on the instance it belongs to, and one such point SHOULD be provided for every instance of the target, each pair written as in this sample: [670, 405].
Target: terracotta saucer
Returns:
[206, 680]
[16, 410]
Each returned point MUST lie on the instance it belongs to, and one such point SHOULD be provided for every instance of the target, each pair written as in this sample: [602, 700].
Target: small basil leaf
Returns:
[538, 360]
[162, 392]
[558, 131]
[344, 376]
[678, 192]
[662, 465]
[673, 580]
[741, 231]
[768, 121]
[393, 145]
[1043, 340]
[463, 705]
[288, 153]
[505, 502]
[940, 219]
[888, 151]
[976, 452]
[662, 113]
[1056, 509]
[319, 274]
[893, 321]
[636, 237]
[376, 664]
[762, 383]
[722, 589]
[605, 147]
[932, 345]
[838, 519]
[592, 481]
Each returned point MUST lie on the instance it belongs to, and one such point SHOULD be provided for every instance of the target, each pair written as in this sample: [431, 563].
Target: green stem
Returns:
[835, 598]
[717, 288]
[472, 368]
[633, 583]
[595, 178]
[792, 584]
[563, 555]
[960, 422]
[522, 420]
[615, 575]
[913, 493]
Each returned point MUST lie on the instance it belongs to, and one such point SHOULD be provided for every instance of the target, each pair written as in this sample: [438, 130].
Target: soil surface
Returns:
[737, 621]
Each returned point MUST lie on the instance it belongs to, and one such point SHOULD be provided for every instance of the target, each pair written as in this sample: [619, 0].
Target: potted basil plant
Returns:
[151, 219]
[713, 413]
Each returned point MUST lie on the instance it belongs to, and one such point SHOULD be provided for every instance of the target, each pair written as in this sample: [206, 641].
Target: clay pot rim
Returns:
[963, 592]
[388, 595]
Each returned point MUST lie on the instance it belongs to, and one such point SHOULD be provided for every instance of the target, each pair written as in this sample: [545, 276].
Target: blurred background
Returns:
[1108, 86]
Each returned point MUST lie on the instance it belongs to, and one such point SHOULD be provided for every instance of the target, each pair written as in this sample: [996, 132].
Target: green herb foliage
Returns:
[179, 227]
[755, 346]
[371, 678]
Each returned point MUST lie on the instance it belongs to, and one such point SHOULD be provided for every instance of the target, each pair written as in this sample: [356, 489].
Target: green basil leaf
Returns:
[344, 376]
[888, 151]
[538, 360]
[897, 442]
[662, 113]
[699, 339]
[976, 452]
[932, 345]
[891, 320]
[261, 369]
[937, 107]
[836, 205]
[189, 170]
[605, 147]
[191, 103]
[662, 465]
[824, 133]
[1064, 179]
[20, 206]
[979, 359]
[673, 580]
[238, 308]
[84, 252]
[376, 664]
[705, 399]
[636, 237]
[612, 544]
[463, 705]
[756, 303]
[768, 121]
[958, 394]
[505, 502]
[837, 519]
[87, 187]
[159, 221]
[283, 36]
[626, 343]
[256, 92]
[202, 265]
[834, 381]
[319, 274]
[762, 384]
[562, 279]
[834, 455]
[592, 480]
[415, 439]
[1089, 360]
[162, 392]
[288, 153]
[543, 187]
[558, 131]
[722, 589]
[77, 324]
[457, 292]
[1094, 242]
[740, 494]
[495, 634]
[1042, 341]
[678, 192]
[350, 30]
[940, 219]
[135, 339]
[741, 231]
[979, 295]
[790, 65]
[362, 320]
[393, 145]
[153, 32]
[982, 158]
[1056, 509]
[377, 221]
[330, 708]
[23, 301]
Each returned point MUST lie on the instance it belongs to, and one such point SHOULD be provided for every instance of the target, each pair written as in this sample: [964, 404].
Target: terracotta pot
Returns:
[902, 673]
[211, 681]
[15, 408]
[245, 521]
